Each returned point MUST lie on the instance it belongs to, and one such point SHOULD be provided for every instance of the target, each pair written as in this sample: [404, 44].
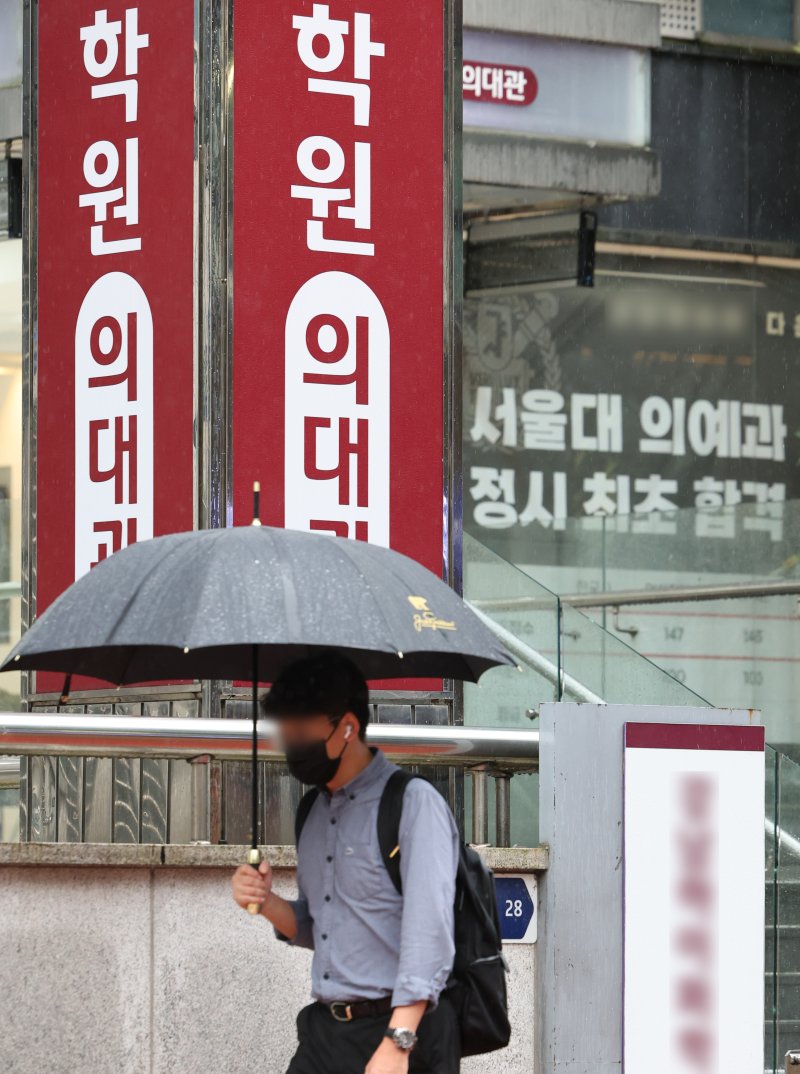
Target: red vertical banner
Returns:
[338, 267]
[115, 228]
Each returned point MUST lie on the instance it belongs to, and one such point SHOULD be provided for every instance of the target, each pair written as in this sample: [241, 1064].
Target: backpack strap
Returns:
[389, 813]
[390, 810]
[301, 816]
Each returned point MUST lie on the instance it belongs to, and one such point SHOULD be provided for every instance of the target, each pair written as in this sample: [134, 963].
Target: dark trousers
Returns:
[330, 1047]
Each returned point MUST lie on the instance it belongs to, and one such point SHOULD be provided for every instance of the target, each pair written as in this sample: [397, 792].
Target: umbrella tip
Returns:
[256, 503]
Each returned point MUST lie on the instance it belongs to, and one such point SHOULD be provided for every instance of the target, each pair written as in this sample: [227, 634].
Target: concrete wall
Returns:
[610, 22]
[152, 969]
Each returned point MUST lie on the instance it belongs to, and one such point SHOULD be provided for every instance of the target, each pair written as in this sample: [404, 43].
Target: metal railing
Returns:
[77, 735]
[665, 595]
[485, 752]
[568, 685]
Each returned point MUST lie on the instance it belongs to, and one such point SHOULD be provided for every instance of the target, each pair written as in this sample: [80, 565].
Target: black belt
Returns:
[343, 1011]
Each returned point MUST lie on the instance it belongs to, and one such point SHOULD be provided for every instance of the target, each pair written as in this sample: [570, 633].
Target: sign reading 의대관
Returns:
[562, 89]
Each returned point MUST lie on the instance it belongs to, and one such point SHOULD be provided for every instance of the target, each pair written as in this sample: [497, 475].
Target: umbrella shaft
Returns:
[254, 771]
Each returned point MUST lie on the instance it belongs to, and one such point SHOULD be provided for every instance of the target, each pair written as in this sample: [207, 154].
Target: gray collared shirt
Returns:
[368, 940]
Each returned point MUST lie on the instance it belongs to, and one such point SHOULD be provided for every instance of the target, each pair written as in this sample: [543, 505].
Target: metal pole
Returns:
[560, 649]
[254, 766]
[254, 854]
[67, 734]
[200, 827]
[480, 807]
[502, 791]
[9, 771]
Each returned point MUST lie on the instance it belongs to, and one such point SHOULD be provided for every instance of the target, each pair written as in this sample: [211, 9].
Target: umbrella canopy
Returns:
[214, 604]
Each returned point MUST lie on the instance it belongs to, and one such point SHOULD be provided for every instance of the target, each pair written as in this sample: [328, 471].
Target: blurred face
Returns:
[314, 745]
[302, 730]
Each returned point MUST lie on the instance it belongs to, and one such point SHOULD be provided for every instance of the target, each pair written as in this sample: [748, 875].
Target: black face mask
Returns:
[310, 762]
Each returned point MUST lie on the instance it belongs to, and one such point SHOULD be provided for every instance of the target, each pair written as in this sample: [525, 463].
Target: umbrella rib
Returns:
[372, 589]
[131, 600]
[290, 601]
[133, 649]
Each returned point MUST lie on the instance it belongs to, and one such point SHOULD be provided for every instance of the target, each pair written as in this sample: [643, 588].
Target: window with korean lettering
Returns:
[643, 435]
[631, 402]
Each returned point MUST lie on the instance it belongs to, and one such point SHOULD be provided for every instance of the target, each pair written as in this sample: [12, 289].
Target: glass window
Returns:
[643, 434]
[10, 42]
[771, 19]
[10, 457]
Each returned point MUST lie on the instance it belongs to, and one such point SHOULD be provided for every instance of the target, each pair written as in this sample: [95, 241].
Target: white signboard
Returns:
[566, 89]
[694, 899]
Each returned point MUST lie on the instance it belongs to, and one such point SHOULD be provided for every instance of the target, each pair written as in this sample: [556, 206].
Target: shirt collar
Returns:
[367, 776]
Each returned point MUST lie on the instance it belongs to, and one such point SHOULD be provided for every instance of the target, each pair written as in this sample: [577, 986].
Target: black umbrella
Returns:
[210, 603]
[241, 603]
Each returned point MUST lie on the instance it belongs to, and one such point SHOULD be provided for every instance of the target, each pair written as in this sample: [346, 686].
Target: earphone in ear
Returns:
[348, 731]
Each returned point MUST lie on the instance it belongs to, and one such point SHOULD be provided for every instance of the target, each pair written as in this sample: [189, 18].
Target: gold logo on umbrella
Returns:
[426, 618]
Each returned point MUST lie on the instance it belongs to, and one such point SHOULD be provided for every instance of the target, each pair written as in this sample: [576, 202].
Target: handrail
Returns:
[570, 686]
[76, 735]
[677, 595]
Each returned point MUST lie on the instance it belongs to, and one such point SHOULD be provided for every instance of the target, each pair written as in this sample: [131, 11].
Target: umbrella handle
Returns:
[254, 859]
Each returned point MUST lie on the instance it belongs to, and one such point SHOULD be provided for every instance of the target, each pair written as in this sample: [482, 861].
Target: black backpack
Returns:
[477, 985]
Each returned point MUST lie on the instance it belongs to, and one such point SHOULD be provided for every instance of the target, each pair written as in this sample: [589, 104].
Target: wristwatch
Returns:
[405, 1039]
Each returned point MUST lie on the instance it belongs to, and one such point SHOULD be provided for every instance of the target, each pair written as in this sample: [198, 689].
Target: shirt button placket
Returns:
[329, 874]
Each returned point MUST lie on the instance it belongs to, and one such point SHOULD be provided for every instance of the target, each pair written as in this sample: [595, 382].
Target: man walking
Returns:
[381, 958]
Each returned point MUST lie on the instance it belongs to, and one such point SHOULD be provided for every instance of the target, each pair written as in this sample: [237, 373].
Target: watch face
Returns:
[404, 1038]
